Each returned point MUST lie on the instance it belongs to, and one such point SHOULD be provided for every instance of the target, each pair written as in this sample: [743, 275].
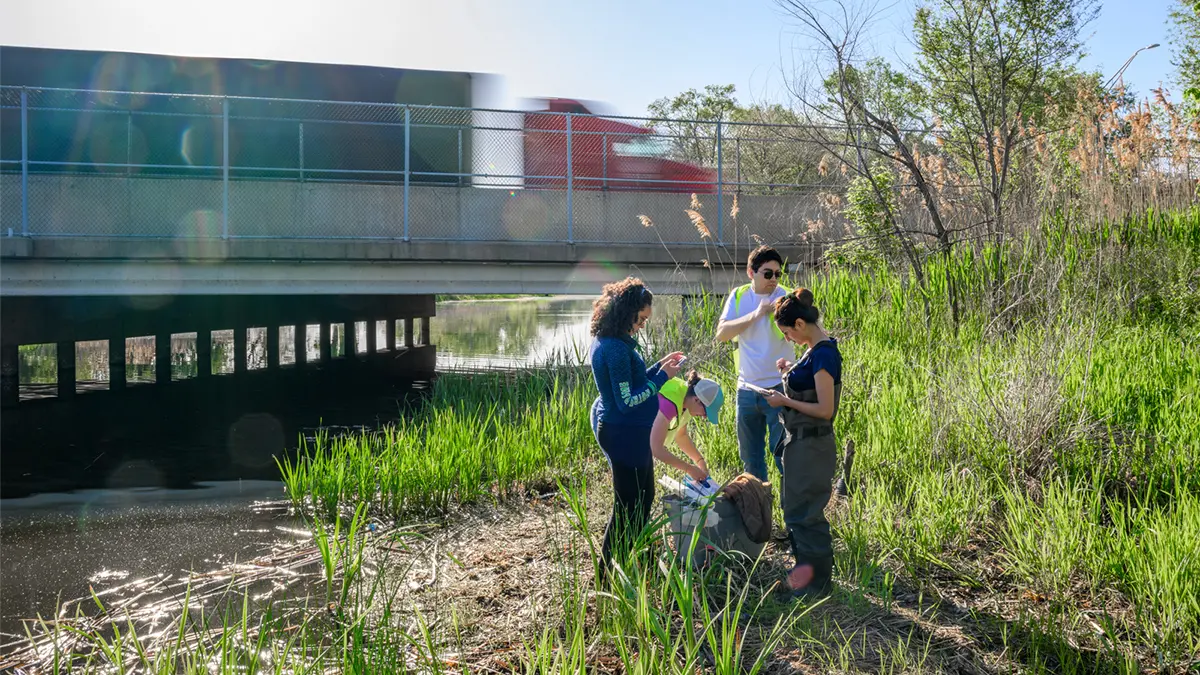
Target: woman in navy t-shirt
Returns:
[813, 387]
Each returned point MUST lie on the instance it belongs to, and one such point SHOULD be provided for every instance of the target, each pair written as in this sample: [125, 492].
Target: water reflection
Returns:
[56, 547]
[38, 364]
[503, 334]
[52, 544]
[472, 334]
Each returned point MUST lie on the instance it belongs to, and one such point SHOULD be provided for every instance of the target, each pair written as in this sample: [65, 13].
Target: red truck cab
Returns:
[606, 154]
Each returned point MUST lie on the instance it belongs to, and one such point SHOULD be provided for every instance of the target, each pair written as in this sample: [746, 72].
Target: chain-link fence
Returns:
[116, 164]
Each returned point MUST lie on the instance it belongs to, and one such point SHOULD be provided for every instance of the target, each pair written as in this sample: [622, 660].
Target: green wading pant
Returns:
[809, 452]
[809, 462]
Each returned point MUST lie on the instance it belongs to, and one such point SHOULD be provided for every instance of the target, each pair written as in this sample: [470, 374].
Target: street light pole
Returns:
[1099, 132]
[1127, 62]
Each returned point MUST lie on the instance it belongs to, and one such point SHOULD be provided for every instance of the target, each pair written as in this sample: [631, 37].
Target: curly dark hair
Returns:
[615, 311]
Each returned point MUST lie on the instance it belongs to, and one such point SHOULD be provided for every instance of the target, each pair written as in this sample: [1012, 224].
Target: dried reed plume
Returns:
[735, 209]
[645, 220]
[698, 221]
[696, 205]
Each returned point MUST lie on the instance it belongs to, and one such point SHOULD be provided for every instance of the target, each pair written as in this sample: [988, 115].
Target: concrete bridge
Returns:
[126, 214]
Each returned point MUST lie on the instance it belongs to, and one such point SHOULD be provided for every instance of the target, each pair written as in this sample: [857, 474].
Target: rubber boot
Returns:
[821, 581]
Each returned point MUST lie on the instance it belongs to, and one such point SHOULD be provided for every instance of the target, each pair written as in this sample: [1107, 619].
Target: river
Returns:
[129, 523]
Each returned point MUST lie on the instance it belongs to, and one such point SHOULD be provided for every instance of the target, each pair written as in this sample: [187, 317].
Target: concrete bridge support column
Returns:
[239, 349]
[204, 353]
[117, 377]
[116, 363]
[65, 354]
[162, 358]
[326, 343]
[300, 342]
[408, 333]
[10, 379]
[390, 335]
[272, 346]
[424, 331]
[372, 329]
[352, 343]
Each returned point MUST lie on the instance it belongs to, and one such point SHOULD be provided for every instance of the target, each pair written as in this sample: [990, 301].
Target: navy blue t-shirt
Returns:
[824, 356]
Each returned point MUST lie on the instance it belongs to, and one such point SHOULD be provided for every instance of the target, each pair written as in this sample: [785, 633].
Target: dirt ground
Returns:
[490, 579]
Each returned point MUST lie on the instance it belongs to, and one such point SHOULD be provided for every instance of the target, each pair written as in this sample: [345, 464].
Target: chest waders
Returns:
[809, 452]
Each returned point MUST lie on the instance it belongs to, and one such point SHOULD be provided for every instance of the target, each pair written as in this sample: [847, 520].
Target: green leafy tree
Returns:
[990, 66]
[1185, 47]
[773, 149]
[689, 119]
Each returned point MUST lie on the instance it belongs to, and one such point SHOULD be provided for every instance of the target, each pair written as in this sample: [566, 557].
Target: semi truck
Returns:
[313, 121]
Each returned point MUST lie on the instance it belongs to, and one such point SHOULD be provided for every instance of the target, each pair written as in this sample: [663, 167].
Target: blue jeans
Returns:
[757, 421]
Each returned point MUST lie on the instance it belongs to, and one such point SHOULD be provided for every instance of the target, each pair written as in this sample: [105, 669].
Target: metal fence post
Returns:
[407, 142]
[301, 152]
[570, 186]
[604, 157]
[24, 162]
[737, 146]
[225, 168]
[460, 157]
[129, 141]
[720, 188]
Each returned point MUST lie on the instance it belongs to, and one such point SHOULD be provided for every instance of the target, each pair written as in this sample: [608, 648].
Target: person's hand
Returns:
[765, 308]
[673, 355]
[671, 366]
[703, 465]
[776, 399]
[698, 474]
[783, 365]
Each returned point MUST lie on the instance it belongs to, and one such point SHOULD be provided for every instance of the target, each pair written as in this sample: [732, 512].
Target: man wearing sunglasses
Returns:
[747, 320]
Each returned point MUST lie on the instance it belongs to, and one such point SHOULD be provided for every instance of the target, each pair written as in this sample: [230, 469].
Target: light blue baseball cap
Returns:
[710, 394]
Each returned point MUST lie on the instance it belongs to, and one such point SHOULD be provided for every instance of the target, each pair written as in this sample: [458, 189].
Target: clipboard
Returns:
[758, 390]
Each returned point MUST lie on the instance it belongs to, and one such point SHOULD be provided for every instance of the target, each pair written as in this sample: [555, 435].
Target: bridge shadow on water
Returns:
[172, 435]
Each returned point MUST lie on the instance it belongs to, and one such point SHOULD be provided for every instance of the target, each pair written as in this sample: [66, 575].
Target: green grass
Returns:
[1046, 445]
[1035, 461]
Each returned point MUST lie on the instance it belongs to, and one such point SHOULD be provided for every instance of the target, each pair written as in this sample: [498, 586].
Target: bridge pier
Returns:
[65, 355]
[324, 346]
[300, 344]
[116, 363]
[10, 379]
[239, 349]
[204, 367]
[272, 346]
[162, 358]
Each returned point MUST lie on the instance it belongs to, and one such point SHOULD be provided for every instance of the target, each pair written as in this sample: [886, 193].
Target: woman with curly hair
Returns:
[626, 407]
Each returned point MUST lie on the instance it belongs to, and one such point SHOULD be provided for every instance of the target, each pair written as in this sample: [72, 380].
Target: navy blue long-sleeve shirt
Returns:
[628, 389]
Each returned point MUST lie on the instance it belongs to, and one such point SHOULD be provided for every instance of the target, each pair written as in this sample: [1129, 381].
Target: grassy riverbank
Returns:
[1025, 499]
[1040, 453]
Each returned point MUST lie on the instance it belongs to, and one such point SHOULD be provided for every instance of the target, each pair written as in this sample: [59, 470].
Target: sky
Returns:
[625, 53]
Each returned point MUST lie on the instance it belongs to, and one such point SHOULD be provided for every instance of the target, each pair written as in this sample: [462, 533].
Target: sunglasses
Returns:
[772, 274]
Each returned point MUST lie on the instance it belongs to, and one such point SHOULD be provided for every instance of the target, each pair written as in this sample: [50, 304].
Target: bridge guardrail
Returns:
[123, 164]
